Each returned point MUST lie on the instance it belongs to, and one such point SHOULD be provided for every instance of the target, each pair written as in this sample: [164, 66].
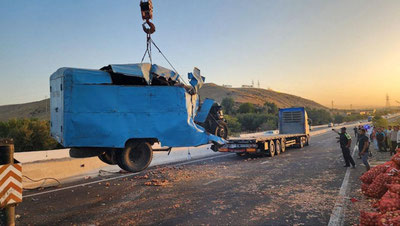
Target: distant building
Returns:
[247, 86]
[227, 86]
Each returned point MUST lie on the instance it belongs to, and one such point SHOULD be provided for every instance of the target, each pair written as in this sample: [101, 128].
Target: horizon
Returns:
[345, 51]
[328, 108]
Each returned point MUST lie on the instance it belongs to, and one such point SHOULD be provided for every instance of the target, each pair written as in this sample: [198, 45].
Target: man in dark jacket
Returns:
[381, 139]
[345, 143]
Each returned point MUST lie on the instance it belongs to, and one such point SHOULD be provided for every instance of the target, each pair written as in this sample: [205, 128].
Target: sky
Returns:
[346, 51]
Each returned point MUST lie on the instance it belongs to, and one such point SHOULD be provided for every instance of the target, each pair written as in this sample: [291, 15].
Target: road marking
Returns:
[117, 177]
[212, 181]
[338, 212]
[264, 162]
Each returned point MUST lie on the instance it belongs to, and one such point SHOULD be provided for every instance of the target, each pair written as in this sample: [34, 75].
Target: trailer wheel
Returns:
[135, 157]
[283, 145]
[108, 157]
[277, 147]
[271, 148]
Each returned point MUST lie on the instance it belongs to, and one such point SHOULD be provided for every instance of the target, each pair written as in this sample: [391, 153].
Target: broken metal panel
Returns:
[164, 72]
[104, 115]
[195, 79]
[204, 110]
[137, 70]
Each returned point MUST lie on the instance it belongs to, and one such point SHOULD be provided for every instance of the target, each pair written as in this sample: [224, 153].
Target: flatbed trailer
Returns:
[293, 132]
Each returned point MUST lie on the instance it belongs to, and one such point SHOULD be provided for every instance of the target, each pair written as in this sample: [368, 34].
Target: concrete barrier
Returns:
[57, 164]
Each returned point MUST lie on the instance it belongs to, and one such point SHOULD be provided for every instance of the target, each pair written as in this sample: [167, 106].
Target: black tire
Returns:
[283, 145]
[271, 149]
[221, 130]
[135, 157]
[108, 157]
[277, 147]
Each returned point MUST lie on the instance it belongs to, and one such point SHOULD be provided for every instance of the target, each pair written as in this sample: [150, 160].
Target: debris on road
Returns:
[155, 182]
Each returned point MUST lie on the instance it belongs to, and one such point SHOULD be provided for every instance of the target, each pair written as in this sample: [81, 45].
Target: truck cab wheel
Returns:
[135, 157]
[108, 157]
[221, 130]
[271, 148]
[301, 143]
[277, 147]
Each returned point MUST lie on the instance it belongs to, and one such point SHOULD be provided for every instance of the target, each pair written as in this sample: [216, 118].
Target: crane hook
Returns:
[150, 28]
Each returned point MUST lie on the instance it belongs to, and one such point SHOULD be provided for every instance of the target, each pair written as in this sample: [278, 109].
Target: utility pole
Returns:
[332, 105]
[258, 84]
[387, 101]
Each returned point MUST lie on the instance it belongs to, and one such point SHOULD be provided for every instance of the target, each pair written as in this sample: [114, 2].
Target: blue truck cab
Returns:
[293, 121]
[120, 111]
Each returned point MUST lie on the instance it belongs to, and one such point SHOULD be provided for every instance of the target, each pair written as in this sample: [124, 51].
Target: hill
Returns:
[37, 109]
[256, 96]
[40, 109]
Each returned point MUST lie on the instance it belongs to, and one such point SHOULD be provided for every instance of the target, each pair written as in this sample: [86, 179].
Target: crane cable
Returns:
[149, 28]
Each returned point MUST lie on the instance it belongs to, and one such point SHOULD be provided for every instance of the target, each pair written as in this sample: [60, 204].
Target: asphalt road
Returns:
[298, 187]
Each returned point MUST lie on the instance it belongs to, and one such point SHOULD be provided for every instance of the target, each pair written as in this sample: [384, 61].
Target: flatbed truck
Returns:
[293, 132]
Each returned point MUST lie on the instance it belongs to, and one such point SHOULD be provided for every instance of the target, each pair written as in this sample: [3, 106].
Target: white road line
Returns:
[338, 212]
[264, 162]
[212, 181]
[117, 177]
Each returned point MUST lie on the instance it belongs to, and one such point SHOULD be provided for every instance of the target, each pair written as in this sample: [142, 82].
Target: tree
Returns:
[227, 105]
[255, 121]
[246, 108]
[28, 134]
[319, 116]
[271, 108]
[378, 121]
[338, 118]
[233, 124]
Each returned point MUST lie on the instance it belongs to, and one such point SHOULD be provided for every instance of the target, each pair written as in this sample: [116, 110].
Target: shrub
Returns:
[28, 134]
[246, 108]
[233, 124]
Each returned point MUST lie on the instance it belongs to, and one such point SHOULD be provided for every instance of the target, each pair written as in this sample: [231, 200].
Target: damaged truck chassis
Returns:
[118, 112]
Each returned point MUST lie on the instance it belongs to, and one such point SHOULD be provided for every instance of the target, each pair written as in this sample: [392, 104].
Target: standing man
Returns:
[363, 146]
[388, 131]
[345, 143]
[398, 136]
[380, 138]
[393, 139]
[355, 132]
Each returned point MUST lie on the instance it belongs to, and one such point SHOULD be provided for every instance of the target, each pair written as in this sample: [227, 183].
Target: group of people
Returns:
[383, 139]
